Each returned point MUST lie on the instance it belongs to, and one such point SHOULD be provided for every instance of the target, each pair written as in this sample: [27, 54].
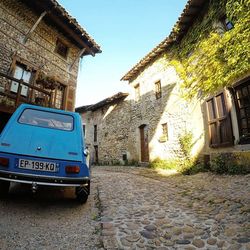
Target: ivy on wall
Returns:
[208, 58]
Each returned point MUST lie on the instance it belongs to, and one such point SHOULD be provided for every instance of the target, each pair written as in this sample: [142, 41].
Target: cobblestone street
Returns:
[142, 210]
[131, 208]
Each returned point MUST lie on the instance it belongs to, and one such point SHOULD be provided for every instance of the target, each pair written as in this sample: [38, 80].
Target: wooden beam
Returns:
[77, 58]
[34, 27]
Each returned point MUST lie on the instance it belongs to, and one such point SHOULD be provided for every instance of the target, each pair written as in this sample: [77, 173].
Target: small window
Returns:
[158, 89]
[95, 133]
[137, 92]
[61, 48]
[227, 23]
[164, 134]
[46, 119]
[84, 130]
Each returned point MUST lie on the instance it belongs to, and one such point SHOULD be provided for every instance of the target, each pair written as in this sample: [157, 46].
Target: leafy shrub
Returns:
[229, 163]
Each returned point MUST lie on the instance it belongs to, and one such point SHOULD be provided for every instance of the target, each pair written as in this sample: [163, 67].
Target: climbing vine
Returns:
[209, 58]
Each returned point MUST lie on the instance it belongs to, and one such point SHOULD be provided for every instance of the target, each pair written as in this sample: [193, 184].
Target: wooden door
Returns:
[144, 143]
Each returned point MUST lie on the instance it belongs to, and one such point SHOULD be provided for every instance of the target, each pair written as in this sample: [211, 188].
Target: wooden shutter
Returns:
[219, 122]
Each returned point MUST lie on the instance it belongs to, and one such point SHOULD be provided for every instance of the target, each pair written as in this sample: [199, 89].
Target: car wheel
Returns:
[82, 194]
[4, 188]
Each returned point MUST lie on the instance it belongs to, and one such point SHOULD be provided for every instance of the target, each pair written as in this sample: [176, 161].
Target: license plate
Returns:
[37, 165]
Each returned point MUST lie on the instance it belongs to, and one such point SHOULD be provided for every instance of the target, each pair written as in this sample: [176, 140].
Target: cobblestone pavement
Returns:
[131, 208]
[142, 210]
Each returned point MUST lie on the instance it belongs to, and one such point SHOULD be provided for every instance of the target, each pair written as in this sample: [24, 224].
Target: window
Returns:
[59, 96]
[165, 129]
[137, 92]
[242, 103]
[164, 134]
[219, 122]
[158, 89]
[21, 72]
[47, 119]
[84, 130]
[227, 23]
[95, 133]
[61, 48]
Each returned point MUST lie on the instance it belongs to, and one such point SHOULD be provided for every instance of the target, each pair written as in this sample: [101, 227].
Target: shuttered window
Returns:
[219, 122]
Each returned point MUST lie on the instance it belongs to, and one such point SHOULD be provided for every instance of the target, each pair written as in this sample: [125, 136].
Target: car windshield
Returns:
[47, 119]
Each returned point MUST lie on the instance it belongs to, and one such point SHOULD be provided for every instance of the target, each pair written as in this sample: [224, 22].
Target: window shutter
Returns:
[219, 122]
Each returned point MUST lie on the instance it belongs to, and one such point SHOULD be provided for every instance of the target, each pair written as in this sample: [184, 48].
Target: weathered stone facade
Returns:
[38, 52]
[156, 115]
[112, 122]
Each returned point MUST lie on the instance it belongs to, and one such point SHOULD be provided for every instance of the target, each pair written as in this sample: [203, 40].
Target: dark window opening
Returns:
[158, 90]
[61, 48]
[95, 133]
[242, 102]
[84, 130]
[4, 119]
[124, 157]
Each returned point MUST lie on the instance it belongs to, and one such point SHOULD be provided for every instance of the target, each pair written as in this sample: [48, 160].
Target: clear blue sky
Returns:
[126, 30]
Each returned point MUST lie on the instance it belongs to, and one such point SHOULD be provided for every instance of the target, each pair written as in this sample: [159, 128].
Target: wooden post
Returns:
[34, 27]
[19, 92]
[77, 58]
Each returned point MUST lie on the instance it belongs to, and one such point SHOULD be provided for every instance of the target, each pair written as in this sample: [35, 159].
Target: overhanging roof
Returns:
[191, 10]
[110, 100]
[57, 16]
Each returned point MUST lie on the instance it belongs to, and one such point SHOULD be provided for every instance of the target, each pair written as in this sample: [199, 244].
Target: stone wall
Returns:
[171, 108]
[118, 125]
[113, 124]
[39, 50]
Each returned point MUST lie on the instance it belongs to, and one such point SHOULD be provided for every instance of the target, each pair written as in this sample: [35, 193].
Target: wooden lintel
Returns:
[34, 27]
[77, 58]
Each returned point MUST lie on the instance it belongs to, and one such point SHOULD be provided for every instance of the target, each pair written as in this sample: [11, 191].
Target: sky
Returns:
[126, 30]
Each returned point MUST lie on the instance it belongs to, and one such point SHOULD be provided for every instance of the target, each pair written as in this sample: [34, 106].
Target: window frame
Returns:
[158, 90]
[60, 42]
[28, 66]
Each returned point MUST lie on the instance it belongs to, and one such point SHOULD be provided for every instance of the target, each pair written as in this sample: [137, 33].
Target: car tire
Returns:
[82, 194]
[4, 188]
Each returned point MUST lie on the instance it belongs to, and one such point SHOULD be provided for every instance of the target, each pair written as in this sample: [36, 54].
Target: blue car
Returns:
[44, 146]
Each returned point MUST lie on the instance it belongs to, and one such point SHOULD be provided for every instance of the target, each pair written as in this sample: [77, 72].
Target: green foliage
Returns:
[164, 164]
[186, 164]
[229, 163]
[186, 144]
[208, 60]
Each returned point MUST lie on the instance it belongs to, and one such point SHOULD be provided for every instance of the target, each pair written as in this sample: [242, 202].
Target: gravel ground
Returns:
[50, 220]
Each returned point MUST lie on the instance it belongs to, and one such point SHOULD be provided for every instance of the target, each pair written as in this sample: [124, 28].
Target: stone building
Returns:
[106, 129]
[156, 114]
[40, 49]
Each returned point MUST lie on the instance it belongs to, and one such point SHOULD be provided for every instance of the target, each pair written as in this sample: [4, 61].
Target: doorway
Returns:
[144, 143]
[96, 160]
[4, 118]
